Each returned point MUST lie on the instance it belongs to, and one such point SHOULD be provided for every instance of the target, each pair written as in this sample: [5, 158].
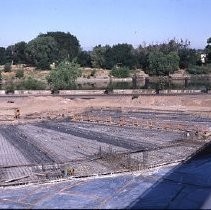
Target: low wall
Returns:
[138, 91]
[32, 92]
[179, 91]
[2, 92]
[81, 92]
[101, 92]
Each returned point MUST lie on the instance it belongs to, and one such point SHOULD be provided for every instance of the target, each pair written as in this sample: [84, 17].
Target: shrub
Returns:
[64, 76]
[7, 67]
[199, 69]
[31, 84]
[10, 88]
[19, 74]
[93, 73]
[120, 72]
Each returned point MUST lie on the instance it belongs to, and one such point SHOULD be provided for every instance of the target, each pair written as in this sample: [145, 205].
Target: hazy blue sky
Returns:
[107, 21]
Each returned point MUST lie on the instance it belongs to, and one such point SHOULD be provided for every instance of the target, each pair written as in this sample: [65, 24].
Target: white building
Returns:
[203, 58]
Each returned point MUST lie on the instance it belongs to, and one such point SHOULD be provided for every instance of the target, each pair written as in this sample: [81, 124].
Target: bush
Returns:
[93, 73]
[122, 85]
[7, 67]
[64, 76]
[199, 69]
[120, 72]
[31, 84]
[10, 88]
[19, 74]
[161, 64]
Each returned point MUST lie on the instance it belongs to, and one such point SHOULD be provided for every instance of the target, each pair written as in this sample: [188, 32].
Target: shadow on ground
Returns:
[187, 186]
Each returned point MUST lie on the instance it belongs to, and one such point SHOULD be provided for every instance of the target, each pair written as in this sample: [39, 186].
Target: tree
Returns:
[41, 52]
[109, 58]
[160, 64]
[208, 50]
[172, 60]
[67, 44]
[157, 62]
[188, 57]
[142, 55]
[2, 56]
[19, 52]
[124, 54]
[98, 56]
[64, 75]
[84, 59]
[9, 53]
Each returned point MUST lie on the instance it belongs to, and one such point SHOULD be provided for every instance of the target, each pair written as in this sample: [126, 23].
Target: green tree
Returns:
[181, 48]
[19, 52]
[142, 55]
[84, 59]
[208, 50]
[109, 58]
[98, 56]
[124, 54]
[2, 56]
[161, 64]
[188, 57]
[172, 60]
[9, 54]
[64, 75]
[41, 52]
[67, 44]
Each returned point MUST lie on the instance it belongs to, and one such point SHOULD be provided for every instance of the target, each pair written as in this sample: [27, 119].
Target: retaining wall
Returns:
[2, 92]
[81, 92]
[101, 92]
[179, 91]
[138, 91]
[32, 92]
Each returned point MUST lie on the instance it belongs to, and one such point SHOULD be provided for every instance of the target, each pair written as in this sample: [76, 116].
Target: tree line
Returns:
[154, 59]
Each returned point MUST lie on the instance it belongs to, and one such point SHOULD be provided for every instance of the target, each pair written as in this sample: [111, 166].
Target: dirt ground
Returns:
[115, 134]
[49, 107]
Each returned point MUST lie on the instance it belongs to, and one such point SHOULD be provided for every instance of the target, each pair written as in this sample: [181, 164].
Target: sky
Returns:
[110, 22]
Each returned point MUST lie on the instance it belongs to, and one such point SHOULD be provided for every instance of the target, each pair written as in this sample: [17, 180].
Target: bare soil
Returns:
[47, 107]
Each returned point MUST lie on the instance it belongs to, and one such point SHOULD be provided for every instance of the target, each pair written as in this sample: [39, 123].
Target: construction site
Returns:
[53, 138]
